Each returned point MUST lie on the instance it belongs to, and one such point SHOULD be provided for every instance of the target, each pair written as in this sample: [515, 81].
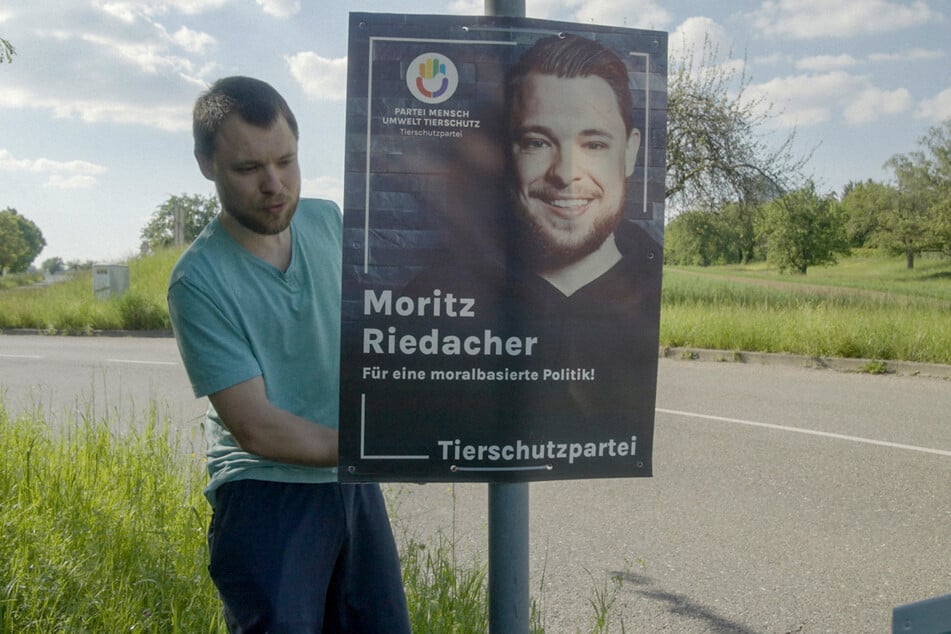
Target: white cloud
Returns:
[148, 56]
[937, 108]
[872, 103]
[822, 63]
[807, 19]
[191, 7]
[193, 41]
[772, 59]
[60, 174]
[467, 7]
[78, 181]
[690, 40]
[149, 52]
[805, 100]
[642, 14]
[280, 8]
[169, 118]
[910, 55]
[703, 46]
[129, 10]
[123, 11]
[320, 78]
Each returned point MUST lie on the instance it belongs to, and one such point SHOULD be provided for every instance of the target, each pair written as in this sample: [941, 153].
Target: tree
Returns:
[79, 265]
[195, 211]
[717, 147]
[863, 205]
[920, 220]
[6, 51]
[692, 239]
[702, 238]
[53, 265]
[803, 229]
[12, 244]
[20, 241]
[741, 222]
[942, 224]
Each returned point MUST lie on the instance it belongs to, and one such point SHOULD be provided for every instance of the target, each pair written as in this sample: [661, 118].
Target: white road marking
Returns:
[20, 356]
[137, 362]
[809, 432]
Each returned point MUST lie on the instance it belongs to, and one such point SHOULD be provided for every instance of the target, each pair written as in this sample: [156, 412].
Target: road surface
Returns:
[784, 499]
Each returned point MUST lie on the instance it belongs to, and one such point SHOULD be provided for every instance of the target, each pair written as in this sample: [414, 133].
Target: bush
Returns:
[138, 312]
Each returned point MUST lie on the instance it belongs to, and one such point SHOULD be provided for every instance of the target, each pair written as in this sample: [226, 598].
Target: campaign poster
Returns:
[503, 226]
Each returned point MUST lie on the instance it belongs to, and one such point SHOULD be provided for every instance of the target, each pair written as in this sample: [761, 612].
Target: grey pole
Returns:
[508, 505]
[514, 8]
[509, 605]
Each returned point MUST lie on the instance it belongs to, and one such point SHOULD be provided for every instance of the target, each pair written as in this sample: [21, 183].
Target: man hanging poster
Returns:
[502, 249]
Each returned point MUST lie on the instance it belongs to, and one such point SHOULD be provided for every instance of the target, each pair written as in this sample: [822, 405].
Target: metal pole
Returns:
[509, 606]
[508, 504]
[514, 8]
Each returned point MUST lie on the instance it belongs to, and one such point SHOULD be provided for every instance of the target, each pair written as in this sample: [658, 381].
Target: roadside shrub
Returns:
[139, 312]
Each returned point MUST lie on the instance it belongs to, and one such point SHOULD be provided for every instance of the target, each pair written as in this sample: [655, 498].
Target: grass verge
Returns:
[702, 311]
[70, 307]
[105, 532]
[101, 532]
[867, 307]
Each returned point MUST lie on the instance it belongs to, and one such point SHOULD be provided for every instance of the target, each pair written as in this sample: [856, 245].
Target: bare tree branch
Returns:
[7, 51]
[717, 146]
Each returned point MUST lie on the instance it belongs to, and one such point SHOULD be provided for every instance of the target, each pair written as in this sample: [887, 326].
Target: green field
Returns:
[866, 307]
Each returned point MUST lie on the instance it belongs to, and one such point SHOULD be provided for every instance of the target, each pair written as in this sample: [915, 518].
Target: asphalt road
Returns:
[784, 499]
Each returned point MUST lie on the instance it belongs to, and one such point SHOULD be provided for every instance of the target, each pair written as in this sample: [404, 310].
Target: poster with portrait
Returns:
[503, 225]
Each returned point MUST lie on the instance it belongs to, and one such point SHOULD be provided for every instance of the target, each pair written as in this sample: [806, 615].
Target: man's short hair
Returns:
[255, 101]
[568, 56]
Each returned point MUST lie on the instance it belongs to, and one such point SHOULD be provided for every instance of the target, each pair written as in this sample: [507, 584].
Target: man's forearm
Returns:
[268, 431]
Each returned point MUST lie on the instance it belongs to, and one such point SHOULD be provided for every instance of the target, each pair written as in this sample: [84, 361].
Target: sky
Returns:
[95, 109]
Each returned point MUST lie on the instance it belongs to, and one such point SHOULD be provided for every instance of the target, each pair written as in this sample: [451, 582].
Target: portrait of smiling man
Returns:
[573, 147]
[567, 265]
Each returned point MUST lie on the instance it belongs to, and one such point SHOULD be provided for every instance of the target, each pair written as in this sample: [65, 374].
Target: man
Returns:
[255, 305]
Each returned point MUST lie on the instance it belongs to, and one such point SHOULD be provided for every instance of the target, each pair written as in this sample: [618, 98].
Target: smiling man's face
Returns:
[572, 156]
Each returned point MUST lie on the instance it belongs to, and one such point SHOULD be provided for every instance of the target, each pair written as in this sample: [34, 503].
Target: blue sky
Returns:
[95, 109]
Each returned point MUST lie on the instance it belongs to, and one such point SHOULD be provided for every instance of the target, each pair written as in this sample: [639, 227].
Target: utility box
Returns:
[109, 280]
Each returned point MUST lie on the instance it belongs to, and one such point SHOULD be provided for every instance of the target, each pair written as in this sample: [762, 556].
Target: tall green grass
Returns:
[70, 307]
[105, 532]
[14, 280]
[867, 306]
[703, 312]
[864, 271]
[101, 532]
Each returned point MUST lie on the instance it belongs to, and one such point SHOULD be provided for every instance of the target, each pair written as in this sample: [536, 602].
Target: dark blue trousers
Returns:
[306, 558]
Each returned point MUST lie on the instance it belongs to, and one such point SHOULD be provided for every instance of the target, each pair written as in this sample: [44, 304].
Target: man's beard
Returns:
[545, 252]
[267, 227]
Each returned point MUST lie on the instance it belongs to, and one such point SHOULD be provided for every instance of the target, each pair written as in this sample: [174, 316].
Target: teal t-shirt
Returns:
[236, 317]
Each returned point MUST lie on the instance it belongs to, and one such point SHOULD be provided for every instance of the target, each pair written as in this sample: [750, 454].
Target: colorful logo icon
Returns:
[432, 78]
